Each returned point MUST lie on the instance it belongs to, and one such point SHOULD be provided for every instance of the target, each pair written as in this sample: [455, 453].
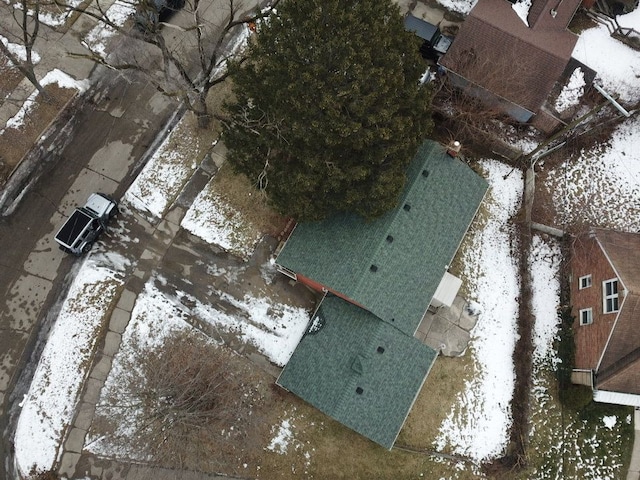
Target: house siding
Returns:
[589, 259]
[319, 287]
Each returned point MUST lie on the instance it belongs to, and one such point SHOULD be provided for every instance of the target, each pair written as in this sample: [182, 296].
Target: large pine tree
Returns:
[328, 111]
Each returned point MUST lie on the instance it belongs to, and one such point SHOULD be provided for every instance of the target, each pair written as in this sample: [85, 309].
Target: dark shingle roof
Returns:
[392, 266]
[496, 50]
[359, 370]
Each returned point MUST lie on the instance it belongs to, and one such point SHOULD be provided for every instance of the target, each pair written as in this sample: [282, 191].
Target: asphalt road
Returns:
[110, 135]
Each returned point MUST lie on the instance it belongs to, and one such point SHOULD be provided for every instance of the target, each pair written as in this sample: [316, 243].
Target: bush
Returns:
[576, 397]
[566, 348]
[44, 475]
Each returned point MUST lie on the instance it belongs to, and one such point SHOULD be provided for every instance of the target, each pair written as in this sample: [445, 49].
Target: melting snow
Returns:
[283, 437]
[477, 426]
[49, 406]
[610, 421]
[572, 92]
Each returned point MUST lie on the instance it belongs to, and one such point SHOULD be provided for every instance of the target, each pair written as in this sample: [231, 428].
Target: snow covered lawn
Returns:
[216, 221]
[477, 426]
[166, 172]
[49, 406]
[601, 187]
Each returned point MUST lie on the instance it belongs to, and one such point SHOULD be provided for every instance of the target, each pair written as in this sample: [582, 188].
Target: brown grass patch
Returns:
[16, 142]
[236, 190]
[438, 395]
[10, 77]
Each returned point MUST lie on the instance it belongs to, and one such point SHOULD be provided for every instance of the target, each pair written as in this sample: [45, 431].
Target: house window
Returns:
[586, 316]
[585, 282]
[610, 296]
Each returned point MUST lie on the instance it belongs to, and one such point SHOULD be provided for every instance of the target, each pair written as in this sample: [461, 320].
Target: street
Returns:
[110, 136]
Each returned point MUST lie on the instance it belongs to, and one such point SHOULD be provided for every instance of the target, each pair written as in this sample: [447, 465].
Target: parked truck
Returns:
[85, 224]
[435, 43]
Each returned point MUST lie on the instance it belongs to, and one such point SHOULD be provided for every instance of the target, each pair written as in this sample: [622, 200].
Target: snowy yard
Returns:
[49, 407]
[599, 187]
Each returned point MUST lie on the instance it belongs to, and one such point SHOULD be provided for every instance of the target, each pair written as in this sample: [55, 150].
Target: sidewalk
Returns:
[153, 249]
[634, 465]
[75, 461]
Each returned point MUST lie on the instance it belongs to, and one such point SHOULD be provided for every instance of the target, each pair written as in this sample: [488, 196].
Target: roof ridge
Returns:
[619, 365]
[426, 148]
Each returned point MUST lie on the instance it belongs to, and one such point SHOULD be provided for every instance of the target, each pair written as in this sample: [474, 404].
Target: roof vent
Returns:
[425, 173]
[389, 238]
[373, 268]
[407, 207]
[380, 349]
[359, 390]
[453, 149]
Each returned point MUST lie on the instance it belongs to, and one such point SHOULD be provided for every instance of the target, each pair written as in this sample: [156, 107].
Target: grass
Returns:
[16, 142]
[10, 77]
[236, 189]
[436, 399]
[566, 444]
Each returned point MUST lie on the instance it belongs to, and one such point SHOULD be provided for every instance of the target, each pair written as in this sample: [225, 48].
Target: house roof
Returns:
[619, 368]
[392, 266]
[496, 50]
[359, 370]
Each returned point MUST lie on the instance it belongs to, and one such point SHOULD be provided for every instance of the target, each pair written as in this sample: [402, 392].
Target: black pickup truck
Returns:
[435, 43]
[85, 224]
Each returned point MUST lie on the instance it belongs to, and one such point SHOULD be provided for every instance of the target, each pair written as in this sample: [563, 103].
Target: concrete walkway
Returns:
[75, 462]
[634, 466]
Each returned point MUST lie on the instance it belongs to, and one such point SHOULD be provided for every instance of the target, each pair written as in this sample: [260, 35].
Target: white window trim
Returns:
[587, 280]
[613, 296]
[589, 312]
[289, 273]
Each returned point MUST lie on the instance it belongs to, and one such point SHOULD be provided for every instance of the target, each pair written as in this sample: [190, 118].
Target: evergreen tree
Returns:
[328, 111]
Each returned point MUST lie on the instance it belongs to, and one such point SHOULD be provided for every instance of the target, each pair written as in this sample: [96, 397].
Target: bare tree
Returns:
[27, 19]
[187, 70]
[476, 104]
[178, 397]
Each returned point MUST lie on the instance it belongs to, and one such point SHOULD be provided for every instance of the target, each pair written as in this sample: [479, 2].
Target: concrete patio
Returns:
[446, 329]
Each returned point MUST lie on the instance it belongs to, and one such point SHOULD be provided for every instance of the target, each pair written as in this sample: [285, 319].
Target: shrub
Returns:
[576, 397]
[566, 348]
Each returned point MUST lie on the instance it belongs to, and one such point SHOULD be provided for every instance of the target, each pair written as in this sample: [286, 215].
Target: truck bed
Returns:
[73, 226]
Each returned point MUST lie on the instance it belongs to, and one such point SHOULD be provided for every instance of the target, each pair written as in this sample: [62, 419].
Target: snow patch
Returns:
[522, 10]
[49, 406]
[478, 424]
[282, 438]
[610, 421]
[572, 92]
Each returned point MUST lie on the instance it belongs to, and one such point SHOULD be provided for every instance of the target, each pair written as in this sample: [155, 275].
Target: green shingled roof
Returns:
[393, 265]
[359, 370]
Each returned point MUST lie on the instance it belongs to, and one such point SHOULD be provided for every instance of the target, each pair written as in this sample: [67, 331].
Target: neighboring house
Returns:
[359, 362]
[605, 297]
[511, 60]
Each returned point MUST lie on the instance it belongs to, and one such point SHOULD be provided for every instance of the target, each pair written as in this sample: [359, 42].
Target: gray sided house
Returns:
[359, 361]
